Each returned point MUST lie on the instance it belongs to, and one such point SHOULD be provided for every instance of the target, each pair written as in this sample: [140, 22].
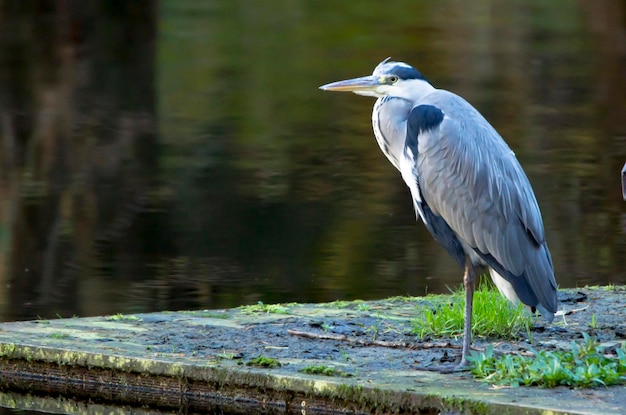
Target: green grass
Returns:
[584, 365]
[228, 355]
[266, 362]
[363, 307]
[608, 287]
[359, 305]
[324, 371]
[121, 317]
[339, 304]
[206, 313]
[493, 316]
[378, 327]
[266, 308]
[402, 299]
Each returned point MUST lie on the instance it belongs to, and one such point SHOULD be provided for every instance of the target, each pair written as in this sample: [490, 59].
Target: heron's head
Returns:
[396, 79]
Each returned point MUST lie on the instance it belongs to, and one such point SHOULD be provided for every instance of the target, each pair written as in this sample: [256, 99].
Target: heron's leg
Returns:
[469, 279]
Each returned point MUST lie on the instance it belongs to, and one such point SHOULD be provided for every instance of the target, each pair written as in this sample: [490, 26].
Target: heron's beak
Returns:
[363, 84]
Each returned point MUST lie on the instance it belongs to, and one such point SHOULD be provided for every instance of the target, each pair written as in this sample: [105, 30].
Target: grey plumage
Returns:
[471, 178]
[466, 183]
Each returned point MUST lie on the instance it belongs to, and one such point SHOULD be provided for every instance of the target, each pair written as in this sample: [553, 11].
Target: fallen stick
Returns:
[394, 345]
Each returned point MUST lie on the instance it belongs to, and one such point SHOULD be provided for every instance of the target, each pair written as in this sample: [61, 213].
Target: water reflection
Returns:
[179, 155]
[15, 403]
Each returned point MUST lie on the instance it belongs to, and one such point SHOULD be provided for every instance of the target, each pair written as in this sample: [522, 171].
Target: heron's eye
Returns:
[393, 79]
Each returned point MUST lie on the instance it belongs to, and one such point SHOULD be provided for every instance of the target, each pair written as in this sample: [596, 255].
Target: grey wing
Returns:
[468, 176]
[425, 118]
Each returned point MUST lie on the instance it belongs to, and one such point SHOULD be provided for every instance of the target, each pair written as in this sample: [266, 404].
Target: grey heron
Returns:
[466, 184]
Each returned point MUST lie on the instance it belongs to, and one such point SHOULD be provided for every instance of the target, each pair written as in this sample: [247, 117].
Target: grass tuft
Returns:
[493, 316]
[262, 361]
[121, 317]
[584, 365]
[324, 371]
[260, 307]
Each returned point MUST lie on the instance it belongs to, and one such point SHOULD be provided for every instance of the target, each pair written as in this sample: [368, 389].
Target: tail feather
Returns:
[511, 293]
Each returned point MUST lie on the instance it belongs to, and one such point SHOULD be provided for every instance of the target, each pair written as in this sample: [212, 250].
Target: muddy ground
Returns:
[357, 339]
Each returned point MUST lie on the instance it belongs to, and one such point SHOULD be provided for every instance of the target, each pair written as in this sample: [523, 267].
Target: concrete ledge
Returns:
[196, 361]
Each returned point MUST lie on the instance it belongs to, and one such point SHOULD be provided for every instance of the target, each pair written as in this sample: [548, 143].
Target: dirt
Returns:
[359, 337]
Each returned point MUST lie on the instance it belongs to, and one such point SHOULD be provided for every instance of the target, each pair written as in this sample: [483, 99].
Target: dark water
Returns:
[179, 155]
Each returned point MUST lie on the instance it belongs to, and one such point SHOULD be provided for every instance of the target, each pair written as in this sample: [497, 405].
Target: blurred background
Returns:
[179, 155]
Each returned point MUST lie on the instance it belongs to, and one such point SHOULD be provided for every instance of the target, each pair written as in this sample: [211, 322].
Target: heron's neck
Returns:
[414, 89]
[389, 122]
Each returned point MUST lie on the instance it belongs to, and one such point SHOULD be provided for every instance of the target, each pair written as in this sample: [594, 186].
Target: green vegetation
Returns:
[363, 307]
[377, 328]
[266, 362]
[122, 317]
[339, 304]
[209, 314]
[608, 287]
[324, 370]
[266, 308]
[493, 316]
[584, 365]
[229, 355]
[402, 299]
[59, 335]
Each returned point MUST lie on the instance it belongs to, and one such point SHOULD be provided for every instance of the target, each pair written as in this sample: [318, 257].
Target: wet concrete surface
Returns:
[130, 358]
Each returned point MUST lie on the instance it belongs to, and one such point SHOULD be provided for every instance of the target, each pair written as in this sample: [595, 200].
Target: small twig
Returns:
[309, 335]
[381, 343]
[573, 310]
[564, 313]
